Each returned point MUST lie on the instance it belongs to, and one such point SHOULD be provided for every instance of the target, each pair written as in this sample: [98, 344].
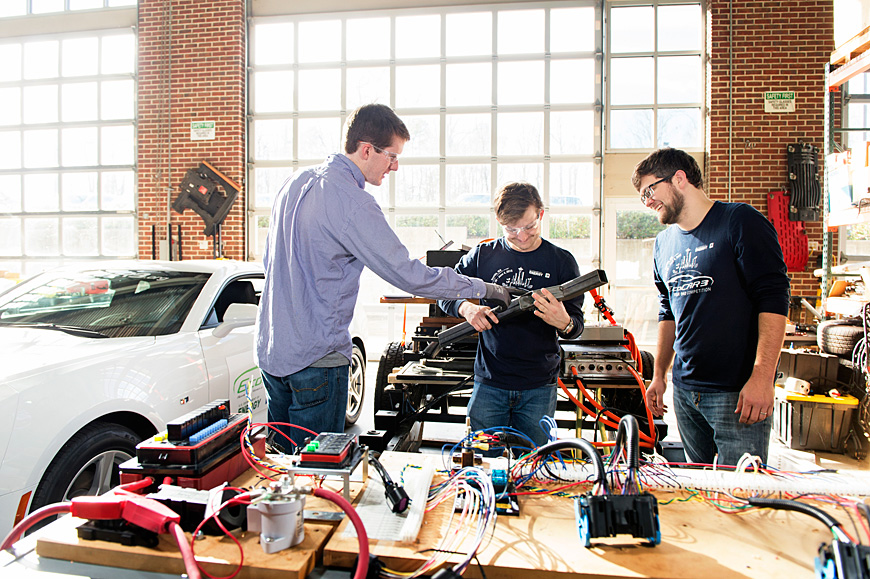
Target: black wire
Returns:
[788, 505]
[480, 566]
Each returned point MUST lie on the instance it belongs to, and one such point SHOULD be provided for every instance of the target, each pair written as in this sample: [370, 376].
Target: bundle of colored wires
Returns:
[467, 528]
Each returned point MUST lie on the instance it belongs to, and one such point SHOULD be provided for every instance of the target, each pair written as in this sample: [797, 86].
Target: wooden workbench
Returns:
[697, 541]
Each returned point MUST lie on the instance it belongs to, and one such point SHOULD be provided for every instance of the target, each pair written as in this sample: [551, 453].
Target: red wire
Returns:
[649, 416]
[236, 500]
[139, 484]
[190, 564]
[32, 519]
[362, 566]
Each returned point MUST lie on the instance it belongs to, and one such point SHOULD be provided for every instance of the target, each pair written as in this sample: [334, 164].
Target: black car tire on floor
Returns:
[839, 337]
[356, 387]
[393, 357]
[87, 464]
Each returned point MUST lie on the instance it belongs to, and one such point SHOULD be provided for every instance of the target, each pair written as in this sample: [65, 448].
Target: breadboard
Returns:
[383, 524]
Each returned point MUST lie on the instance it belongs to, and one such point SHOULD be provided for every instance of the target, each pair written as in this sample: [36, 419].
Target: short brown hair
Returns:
[375, 124]
[514, 199]
[665, 162]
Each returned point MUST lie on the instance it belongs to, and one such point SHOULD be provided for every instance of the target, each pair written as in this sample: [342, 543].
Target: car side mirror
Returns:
[236, 316]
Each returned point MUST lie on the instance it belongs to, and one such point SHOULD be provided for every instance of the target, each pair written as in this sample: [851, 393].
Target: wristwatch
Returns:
[568, 328]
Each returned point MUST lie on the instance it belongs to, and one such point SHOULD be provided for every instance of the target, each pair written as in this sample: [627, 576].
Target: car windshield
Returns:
[114, 302]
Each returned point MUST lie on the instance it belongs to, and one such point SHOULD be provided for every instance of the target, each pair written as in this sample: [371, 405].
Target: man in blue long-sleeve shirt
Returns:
[324, 229]
[723, 294]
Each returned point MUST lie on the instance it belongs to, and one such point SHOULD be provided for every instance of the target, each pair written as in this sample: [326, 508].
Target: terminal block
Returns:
[329, 450]
[611, 515]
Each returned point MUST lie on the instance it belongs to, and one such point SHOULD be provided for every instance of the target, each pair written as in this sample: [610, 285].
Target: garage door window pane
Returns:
[418, 86]
[521, 32]
[680, 27]
[80, 236]
[117, 146]
[118, 54]
[41, 192]
[571, 132]
[419, 233]
[10, 60]
[40, 148]
[79, 56]
[679, 128]
[273, 91]
[273, 139]
[40, 104]
[469, 34]
[79, 192]
[631, 81]
[521, 134]
[79, 102]
[10, 193]
[10, 236]
[40, 59]
[10, 144]
[572, 232]
[118, 236]
[631, 29]
[117, 100]
[466, 181]
[318, 138]
[467, 229]
[319, 90]
[571, 81]
[572, 29]
[41, 237]
[267, 182]
[631, 129]
[416, 186]
[273, 43]
[418, 36]
[368, 39]
[425, 130]
[320, 41]
[688, 70]
[118, 191]
[10, 106]
[469, 84]
[367, 85]
[529, 172]
[571, 183]
[520, 83]
[79, 147]
[468, 135]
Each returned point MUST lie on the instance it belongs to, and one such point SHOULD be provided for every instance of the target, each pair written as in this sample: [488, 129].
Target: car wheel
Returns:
[839, 337]
[393, 357]
[87, 464]
[356, 387]
[647, 360]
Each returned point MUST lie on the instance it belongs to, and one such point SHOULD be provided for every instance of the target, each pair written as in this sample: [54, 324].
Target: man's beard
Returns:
[671, 213]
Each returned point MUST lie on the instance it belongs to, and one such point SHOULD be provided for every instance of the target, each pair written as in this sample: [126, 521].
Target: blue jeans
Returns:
[521, 409]
[314, 398]
[708, 425]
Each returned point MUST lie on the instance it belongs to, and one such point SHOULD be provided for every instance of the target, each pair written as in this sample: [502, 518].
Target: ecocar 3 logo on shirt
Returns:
[689, 282]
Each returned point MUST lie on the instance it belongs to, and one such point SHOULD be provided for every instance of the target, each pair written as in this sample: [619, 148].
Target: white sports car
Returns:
[99, 356]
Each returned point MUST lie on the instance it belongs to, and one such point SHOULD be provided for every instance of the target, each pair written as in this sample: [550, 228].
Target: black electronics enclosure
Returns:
[200, 192]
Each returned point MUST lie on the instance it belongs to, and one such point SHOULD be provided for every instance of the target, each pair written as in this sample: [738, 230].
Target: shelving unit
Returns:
[846, 62]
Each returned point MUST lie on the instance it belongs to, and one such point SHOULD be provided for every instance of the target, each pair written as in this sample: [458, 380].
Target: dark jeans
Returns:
[520, 409]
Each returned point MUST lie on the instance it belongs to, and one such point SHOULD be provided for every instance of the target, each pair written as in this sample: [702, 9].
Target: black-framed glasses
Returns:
[648, 191]
[393, 157]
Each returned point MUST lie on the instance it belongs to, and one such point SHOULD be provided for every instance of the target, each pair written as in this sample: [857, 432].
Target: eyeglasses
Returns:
[393, 157]
[648, 191]
[518, 230]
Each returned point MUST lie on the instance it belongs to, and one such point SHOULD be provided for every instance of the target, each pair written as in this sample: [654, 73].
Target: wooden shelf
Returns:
[849, 216]
[851, 59]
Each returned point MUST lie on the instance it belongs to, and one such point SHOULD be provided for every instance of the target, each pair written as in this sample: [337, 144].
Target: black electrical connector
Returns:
[375, 567]
[611, 515]
[395, 493]
[446, 573]
[841, 560]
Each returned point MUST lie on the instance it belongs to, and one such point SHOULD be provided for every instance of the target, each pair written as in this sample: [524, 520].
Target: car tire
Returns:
[356, 386]
[87, 464]
[647, 361]
[839, 337]
[393, 357]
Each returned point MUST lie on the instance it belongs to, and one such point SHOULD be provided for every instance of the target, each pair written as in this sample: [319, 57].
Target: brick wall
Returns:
[777, 45]
[203, 81]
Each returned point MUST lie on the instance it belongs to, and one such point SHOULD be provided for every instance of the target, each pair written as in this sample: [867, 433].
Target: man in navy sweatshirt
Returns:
[723, 295]
[518, 359]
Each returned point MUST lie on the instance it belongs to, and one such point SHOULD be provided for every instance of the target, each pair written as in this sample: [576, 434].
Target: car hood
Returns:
[30, 351]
